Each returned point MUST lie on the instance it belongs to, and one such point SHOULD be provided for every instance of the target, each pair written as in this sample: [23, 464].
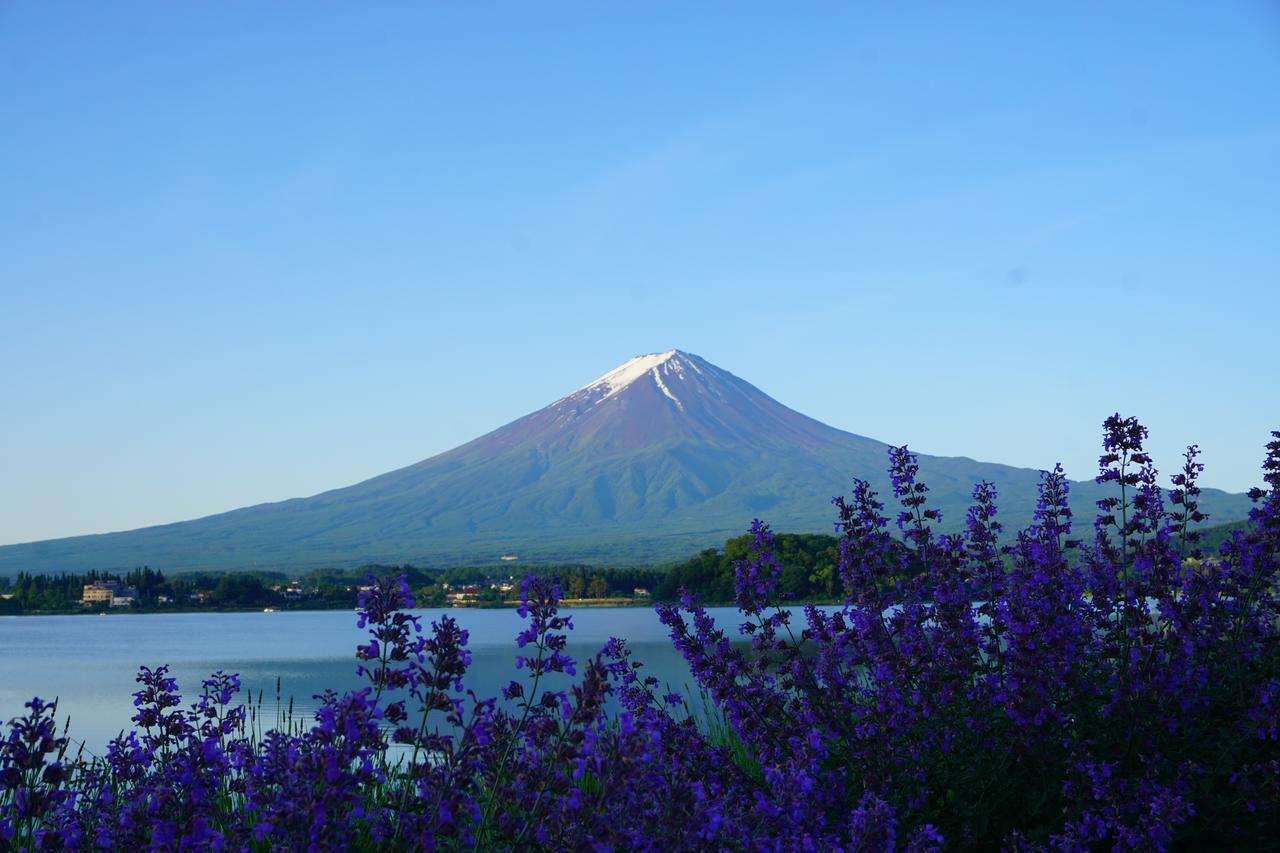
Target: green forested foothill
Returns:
[808, 569]
[1212, 537]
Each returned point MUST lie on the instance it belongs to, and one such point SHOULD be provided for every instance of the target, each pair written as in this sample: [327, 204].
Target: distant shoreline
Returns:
[154, 611]
[567, 604]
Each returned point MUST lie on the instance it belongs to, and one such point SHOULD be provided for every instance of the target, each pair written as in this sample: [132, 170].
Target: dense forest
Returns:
[808, 570]
[30, 593]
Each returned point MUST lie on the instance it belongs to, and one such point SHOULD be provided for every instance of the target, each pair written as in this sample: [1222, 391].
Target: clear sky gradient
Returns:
[251, 251]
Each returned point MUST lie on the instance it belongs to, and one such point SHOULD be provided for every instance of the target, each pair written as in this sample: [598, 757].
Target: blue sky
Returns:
[255, 251]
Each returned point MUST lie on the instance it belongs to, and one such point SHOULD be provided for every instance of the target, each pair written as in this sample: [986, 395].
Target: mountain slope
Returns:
[663, 455]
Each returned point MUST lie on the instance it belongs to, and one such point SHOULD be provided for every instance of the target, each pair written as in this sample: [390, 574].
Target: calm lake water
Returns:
[89, 662]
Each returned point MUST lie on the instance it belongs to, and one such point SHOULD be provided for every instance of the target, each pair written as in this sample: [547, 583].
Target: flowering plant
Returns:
[973, 690]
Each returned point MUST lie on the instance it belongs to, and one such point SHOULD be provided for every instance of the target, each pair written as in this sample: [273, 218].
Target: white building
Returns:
[110, 593]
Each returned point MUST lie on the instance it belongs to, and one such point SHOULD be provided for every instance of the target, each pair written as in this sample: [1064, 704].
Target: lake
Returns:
[89, 662]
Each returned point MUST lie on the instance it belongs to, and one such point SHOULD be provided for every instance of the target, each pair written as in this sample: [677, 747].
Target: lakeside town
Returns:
[149, 590]
[115, 594]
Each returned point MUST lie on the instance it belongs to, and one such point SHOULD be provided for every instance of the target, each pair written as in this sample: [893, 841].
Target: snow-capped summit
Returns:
[664, 370]
[624, 374]
[661, 397]
[627, 372]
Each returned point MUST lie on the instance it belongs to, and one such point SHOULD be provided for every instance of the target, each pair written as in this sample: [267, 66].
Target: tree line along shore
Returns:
[808, 575]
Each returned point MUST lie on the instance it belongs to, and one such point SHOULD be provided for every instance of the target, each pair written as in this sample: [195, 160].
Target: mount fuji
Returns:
[663, 455]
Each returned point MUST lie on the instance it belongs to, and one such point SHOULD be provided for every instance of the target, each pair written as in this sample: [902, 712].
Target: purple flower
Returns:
[973, 690]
